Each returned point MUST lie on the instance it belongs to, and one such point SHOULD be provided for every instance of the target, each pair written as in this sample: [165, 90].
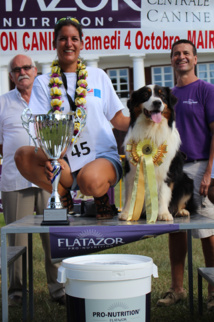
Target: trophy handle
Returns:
[79, 120]
[26, 118]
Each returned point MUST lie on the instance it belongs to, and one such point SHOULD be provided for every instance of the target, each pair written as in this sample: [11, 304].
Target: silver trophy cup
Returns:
[54, 134]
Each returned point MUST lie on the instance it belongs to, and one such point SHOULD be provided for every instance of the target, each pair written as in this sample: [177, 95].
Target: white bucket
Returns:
[107, 288]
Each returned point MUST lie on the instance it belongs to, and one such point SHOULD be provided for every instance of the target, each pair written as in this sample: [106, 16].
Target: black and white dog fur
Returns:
[152, 117]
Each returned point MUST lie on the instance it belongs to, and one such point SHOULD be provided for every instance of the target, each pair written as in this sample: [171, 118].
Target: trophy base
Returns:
[55, 223]
[55, 217]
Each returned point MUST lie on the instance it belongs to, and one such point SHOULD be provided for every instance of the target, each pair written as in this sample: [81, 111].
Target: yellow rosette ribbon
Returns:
[145, 155]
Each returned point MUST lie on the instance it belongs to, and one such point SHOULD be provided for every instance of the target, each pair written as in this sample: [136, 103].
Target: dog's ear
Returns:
[171, 101]
[139, 96]
[134, 100]
[128, 104]
[171, 98]
[133, 106]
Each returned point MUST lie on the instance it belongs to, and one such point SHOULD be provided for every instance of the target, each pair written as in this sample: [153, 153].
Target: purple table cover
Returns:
[68, 241]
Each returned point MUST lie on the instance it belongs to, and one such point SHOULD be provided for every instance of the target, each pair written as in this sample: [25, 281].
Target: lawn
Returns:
[156, 248]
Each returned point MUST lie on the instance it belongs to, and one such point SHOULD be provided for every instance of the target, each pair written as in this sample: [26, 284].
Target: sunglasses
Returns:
[18, 69]
[63, 19]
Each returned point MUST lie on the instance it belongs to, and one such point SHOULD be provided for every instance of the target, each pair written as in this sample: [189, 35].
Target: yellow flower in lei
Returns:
[55, 103]
[82, 83]
[55, 80]
[80, 101]
[55, 91]
[82, 92]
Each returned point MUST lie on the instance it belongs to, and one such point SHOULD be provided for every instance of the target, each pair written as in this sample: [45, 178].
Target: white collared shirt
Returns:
[12, 136]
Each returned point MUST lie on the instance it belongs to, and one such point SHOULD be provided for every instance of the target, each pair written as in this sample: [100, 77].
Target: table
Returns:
[208, 274]
[32, 224]
[13, 253]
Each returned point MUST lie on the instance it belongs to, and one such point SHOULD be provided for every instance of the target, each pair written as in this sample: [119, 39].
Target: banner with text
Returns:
[110, 26]
[73, 241]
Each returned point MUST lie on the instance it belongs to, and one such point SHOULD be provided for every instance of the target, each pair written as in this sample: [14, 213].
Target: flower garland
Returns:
[55, 84]
[80, 94]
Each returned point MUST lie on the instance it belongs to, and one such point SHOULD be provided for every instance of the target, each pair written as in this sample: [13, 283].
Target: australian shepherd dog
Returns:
[152, 117]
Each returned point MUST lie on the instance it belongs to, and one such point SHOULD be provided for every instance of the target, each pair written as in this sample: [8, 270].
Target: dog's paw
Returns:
[123, 216]
[183, 213]
[165, 216]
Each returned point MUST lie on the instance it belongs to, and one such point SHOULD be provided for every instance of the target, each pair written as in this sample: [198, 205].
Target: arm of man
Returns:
[120, 121]
[1, 150]
[206, 180]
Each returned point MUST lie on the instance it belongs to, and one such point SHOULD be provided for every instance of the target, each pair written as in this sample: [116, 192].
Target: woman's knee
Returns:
[92, 185]
[95, 178]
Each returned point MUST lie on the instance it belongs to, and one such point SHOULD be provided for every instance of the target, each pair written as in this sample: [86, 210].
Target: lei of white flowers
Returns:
[55, 84]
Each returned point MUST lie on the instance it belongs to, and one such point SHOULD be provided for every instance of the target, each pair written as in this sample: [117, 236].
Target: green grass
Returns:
[156, 248]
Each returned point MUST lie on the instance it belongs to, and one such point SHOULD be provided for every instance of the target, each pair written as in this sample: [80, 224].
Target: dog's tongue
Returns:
[156, 117]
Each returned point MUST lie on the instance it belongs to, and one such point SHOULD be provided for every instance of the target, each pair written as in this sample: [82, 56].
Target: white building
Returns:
[129, 39]
[127, 72]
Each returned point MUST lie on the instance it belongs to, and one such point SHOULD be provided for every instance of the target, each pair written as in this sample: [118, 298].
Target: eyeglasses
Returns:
[68, 18]
[18, 69]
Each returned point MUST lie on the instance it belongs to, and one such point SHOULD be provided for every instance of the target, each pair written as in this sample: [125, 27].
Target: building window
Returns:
[163, 76]
[120, 81]
[206, 72]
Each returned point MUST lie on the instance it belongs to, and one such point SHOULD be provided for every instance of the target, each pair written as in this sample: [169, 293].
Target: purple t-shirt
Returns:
[194, 112]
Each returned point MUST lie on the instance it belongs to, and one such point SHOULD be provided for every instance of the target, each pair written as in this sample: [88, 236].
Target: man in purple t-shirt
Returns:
[195, 122]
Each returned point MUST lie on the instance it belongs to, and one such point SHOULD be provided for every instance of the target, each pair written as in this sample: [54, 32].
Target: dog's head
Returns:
[153, 102]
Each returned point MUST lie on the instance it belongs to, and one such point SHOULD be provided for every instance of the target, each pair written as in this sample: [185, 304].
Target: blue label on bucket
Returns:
[117, 310]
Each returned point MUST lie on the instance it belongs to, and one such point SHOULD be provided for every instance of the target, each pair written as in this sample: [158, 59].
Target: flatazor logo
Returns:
[89, 242]
[73, 5]
[91, 14]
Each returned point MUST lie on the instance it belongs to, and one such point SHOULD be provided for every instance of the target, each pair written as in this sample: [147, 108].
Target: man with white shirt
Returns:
[19, 196]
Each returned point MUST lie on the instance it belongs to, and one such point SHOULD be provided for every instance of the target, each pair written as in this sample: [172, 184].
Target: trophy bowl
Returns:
[54, 134]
